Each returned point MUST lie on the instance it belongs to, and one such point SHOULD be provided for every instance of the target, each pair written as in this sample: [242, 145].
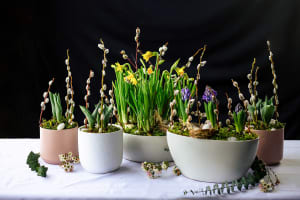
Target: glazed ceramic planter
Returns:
[270, 148]
[55, 142]
[211, 160]
[100, 152]
[146, 148]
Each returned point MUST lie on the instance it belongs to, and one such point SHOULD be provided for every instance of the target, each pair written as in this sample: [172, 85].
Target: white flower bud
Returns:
[195, 82]
[61, 126]
[102, 117]
[274, 91]
[69, 91]
[101, 46]
[106, 51]
[174, 112]
[128, 109]
[46, 100]
[191, 59]
[42, 104]
[165, 48]
[229, 100]
[68, 68]
[188, 64]
[246, 103]
[69, 73]
[50, 82]
[67, 62]
[125, 57]
[45, 94]
[85, 97]
[171, 104]
[272, 66]
[252, 99]
[249, 76]
[276, 86]
[110, 92]
[235, 84]
[160, 49]
[88, 92]
[88, 81]
[66, 98]
[92, 74]
[114, 112]
[249, 86]
[198, 66]
[187, 110]
[67, 79]
[203, 63]
[174, 101]
[191, 101]
[228, 121]
[255, 83]
[103, 73]
[241, 97]
[270, 58]
[189, 118]
[106, 101]
[112, 101]
[72, 117]
[104, 87]
[176, 92]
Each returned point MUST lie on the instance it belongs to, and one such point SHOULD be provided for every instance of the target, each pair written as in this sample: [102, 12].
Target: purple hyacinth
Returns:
[238, 108]
[185, 94]
[208, 94]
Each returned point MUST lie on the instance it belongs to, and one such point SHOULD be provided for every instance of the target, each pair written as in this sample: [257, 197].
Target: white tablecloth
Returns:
[17, 181]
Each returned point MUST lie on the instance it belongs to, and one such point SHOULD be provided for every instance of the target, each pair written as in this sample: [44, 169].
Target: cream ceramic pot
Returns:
[55, 142]
[146, 148]
[211, 160]
[100, 152]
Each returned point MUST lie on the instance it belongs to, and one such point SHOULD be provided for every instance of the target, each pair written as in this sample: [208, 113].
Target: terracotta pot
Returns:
[55, 142]
[208, 160]
[270, 147]
[139, 148]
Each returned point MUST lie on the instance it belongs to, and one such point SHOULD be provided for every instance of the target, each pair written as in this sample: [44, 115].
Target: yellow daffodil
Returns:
[119, 67]
[130, 77]
[147, 55]
[149, 70]
[134, 81]
[180, 71]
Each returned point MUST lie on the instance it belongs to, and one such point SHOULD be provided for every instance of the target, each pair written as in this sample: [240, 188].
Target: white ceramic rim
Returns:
[211, 140]
[120, 129]
[145, 135]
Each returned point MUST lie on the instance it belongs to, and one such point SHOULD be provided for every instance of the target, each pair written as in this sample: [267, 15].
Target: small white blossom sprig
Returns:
[268, 183]
[201, 64]
[154, 170]
[274, 80]
[88, 93]
[67, 160]
[103, 86]
[229, 107]
[46, 100]
[69, 98]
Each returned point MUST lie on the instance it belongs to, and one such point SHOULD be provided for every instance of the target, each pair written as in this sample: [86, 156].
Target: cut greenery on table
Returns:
[34, 165]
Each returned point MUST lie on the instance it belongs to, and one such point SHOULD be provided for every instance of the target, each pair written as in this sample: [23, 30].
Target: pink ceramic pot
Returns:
[270, 147]
[55, 142]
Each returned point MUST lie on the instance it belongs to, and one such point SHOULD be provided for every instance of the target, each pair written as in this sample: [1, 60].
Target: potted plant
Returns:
[207, 151]
[59, 134]
[269, 130]
[100, 141]
[143, 94]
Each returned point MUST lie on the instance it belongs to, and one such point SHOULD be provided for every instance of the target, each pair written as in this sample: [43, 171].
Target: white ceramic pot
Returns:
[100, 152]
[146, 148]
[211, 160]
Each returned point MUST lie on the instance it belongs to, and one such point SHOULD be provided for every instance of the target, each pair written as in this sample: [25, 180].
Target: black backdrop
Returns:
[36, 34]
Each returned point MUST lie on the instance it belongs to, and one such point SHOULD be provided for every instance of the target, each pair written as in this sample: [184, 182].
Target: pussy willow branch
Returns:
[42, 110]
[197, 78]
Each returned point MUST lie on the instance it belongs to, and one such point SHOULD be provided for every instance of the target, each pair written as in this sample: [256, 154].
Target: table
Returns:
[17, 181]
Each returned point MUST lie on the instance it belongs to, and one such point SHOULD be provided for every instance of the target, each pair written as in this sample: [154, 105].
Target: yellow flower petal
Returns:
[149, 70]
[134, 81]
[147, 55]
[119, 67]
[180, 71]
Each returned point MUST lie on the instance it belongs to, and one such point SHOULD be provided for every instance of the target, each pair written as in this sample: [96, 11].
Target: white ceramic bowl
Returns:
[211, 160]
[100, 152]
[146, 148]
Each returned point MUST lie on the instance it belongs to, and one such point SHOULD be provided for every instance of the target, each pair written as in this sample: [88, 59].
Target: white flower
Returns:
[171, 104]
[106, 51]
[207, 126]
[88, 92]
[67, 62]
[101, 46]
[274, 91]
[229, 106]
[174, 112]
[46, 100]
[252, 99]
[69, 73]
[198, 66]
[102, 94]
[88, 81]
[255, 83]
[66, 98]
[271, 54]
[73, 117]
[125, 57]
[61, 126]
[268, 43]
[103, 73]
[50, 82]
[176, 92]
[203, 63]
[249, 86]
[69, 91]
[188, 64]
[187, 110]
[104, 87]
[191, 59]
[106, 100]
[246, 103]
[67, 79]
[128, 109]
[68, 68]
[112, 101]
[191, 101]
[165, 48]
[174, 101]
[85, 97]
[45, 94]
[229, 100]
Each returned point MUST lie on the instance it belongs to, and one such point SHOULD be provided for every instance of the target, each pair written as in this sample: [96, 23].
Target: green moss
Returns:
[110, 129]
[260, 125]
[226, 132]
[179, 129]
[222, 134]
[53, 123]
[134, 131]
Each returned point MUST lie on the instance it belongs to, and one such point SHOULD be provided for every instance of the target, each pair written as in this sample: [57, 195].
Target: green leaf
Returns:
[52, 101]
[89, 116]
[42, 171]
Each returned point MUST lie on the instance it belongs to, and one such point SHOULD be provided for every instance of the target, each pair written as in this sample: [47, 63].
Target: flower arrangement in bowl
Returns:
[59, 134]
[262, 122]
[207, 151]
[100, 141]
[143, 94]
